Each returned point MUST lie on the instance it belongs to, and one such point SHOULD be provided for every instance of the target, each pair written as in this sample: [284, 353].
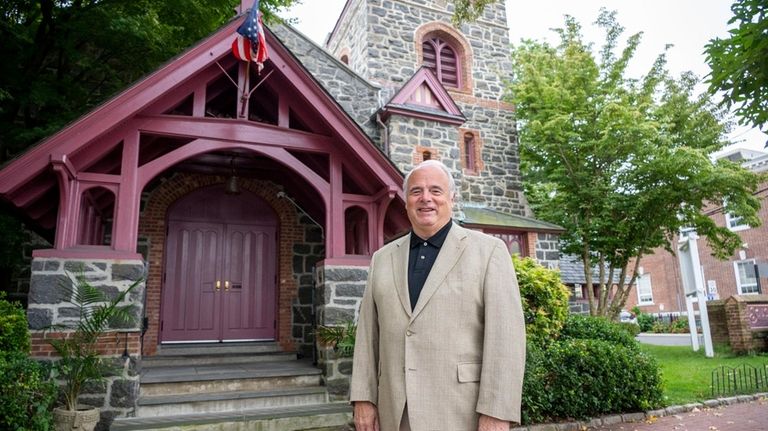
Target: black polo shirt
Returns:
[422, 256]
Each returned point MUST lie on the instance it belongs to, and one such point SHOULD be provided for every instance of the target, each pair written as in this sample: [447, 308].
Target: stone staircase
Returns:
[253, 386]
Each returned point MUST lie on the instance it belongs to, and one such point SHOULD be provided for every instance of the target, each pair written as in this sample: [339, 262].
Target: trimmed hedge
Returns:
[597, 328]
[582, 378]
[595, 368]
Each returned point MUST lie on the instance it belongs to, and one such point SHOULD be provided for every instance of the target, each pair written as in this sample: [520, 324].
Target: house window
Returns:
[644, 289]
[734, 223]
[578, 291]
[441, 58]
[426, 155]
[746, 279]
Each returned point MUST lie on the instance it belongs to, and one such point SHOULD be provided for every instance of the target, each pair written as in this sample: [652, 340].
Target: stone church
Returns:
[250, 201]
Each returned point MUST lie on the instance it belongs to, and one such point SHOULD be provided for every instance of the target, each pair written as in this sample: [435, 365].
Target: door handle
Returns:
[218, 285]
[226, 285]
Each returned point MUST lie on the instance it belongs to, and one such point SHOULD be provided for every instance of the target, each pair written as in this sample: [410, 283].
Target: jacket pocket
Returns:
[469, 372]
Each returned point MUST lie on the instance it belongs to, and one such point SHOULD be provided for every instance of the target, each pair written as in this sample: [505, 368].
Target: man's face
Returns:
[429, 200]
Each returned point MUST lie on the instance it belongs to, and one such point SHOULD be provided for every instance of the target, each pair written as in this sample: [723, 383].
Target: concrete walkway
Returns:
[667, 339]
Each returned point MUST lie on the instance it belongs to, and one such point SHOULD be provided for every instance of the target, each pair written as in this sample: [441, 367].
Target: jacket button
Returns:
[408, 332]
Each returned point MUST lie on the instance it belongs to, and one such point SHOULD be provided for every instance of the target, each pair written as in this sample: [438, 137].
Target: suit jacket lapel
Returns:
[447, 258]
[400, 268]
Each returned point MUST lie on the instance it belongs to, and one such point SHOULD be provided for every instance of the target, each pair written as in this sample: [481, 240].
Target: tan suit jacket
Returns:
[460, 353]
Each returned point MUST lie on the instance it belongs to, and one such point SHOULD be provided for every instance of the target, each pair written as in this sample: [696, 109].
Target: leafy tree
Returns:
[620, 163]
[65, 57]
[740, 62]
[468, 10]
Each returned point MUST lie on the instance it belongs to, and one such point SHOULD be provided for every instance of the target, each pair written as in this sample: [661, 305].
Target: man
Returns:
[441, 338]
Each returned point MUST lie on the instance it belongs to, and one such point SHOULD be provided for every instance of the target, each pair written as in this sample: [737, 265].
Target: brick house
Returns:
[251, 201]
[660, 285]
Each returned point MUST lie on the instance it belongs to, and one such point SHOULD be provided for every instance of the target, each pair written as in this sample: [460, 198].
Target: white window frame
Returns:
[734, 223]
[642, 299]
[739, 285]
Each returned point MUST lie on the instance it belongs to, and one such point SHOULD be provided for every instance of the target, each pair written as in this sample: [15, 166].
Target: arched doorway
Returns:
[220, 268]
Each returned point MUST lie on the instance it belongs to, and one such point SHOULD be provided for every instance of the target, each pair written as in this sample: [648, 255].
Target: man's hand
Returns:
[366, 416]
[488, 423]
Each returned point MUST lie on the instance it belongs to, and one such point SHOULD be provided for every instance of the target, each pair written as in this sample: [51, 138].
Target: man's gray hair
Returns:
[428, 163]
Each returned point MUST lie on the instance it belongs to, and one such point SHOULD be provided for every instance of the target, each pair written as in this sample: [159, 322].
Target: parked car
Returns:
[626, 316]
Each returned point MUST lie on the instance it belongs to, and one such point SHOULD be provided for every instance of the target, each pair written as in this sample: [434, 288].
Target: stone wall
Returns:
[548, 250]
[305, 256]
[358, 98]
[118, 394]
[340, 291]
[498, 184]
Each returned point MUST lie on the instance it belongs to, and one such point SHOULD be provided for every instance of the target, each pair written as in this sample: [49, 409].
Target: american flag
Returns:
[249, 43]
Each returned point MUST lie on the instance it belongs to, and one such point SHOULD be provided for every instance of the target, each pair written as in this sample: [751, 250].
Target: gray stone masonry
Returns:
[547, 250]
[339, 290]
[358, 97]
[305, 255]
[118, 394]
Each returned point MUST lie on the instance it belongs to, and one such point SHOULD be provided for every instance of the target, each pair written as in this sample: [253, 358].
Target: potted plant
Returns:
[79, 360]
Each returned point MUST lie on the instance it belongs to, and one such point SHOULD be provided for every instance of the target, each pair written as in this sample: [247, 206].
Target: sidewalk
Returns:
[739, 413]
[743, 416]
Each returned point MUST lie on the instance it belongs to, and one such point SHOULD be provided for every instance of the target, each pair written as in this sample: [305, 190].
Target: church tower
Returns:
[441, 93]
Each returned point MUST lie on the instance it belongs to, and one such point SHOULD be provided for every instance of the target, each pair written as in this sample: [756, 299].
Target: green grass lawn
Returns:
[687, 374]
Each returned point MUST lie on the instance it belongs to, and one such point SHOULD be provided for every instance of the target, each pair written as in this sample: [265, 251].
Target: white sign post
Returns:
[693, 285]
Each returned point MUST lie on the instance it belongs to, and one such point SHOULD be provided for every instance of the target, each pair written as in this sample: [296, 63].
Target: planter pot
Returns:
[76, 420]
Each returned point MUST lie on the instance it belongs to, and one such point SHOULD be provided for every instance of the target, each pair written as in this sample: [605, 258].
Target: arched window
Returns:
[426, 155]
[345, 59]
[441, 57]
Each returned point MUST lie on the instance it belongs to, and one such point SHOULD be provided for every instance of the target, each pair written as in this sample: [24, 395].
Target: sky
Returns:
[687, 24]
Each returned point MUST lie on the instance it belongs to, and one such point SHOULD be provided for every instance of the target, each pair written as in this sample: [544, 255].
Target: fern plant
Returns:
[80, 362]
[341, 338]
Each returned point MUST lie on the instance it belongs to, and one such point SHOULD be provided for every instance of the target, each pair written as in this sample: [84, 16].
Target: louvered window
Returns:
[442, 59]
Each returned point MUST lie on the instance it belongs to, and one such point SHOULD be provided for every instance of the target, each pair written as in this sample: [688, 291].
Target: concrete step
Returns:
[170, 360]
[199, 379]
[320, 416]
[173, 405]
[204, 349]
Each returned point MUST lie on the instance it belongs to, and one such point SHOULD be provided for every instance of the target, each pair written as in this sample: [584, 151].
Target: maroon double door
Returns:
[220, 269]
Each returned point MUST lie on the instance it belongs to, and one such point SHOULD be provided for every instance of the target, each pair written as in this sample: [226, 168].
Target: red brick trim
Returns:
[457, 41]
[478, 159]
[418, 154]
[152, 225]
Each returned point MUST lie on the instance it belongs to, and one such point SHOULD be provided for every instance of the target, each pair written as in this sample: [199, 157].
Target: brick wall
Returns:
[292, 233]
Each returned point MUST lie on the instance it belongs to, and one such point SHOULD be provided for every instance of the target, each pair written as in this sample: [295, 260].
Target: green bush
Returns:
[597, 328]
[645, 321]
[26, 394]
[14, 332]
[544, 297]
[632, 328]
[581, 378]
[679, 326]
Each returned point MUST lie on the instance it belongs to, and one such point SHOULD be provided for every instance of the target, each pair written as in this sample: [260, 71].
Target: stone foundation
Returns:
[118, 394]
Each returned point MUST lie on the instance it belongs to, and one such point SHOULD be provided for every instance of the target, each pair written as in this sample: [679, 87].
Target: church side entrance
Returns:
[220, 269]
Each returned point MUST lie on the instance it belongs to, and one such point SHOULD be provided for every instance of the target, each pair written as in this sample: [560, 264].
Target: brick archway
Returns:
[152, 230]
